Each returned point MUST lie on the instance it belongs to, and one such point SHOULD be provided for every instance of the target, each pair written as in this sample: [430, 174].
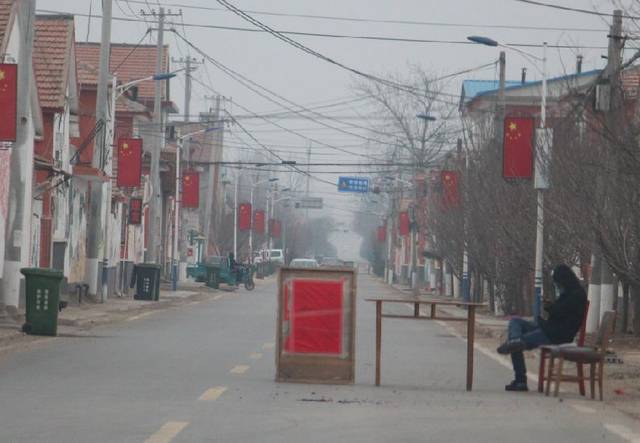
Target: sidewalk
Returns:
[79, 316]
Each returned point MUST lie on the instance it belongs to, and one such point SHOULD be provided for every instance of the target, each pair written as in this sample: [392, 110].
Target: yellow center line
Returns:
[167, 432]
[213, 393]
[240, 369]
[255, 356]
[268, 346]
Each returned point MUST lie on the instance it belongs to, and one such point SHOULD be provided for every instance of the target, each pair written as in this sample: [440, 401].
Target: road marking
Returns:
[167, 432]
[268, 346]
[623, 432]
[255, 356]
[212, 394]
[583, 409]
[217, 297]
[139, 316]
[240, 369]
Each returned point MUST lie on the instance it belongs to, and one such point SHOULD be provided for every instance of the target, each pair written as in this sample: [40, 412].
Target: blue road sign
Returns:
[353, 184]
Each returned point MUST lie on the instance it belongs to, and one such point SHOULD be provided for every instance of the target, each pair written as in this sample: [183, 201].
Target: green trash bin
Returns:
[146, 279]
[43, 300]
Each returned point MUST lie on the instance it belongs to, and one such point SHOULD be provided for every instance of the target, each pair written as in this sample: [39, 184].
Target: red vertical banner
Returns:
[258, 221]
[8, 101]
[403, 223]
[244, 216]
[450, 193]
[275, 228]
[129, 162]
[135, 211]
[517, 150]
[190, 189]
[382, 234]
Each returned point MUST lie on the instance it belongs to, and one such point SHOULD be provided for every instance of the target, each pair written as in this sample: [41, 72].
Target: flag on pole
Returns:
[517, 155]
[244, 216]
[129, 162]
[404, 224]
[275, 228]
[382, 233]
[258, 221]
[8, 101]
[450, 194]
[190, 189]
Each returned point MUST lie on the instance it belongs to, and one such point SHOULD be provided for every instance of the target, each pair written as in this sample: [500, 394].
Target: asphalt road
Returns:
[204, 372]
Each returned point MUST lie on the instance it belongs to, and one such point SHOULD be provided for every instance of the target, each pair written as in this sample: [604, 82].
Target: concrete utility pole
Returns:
[189, 67]
[18, 229]
[466, 286]
[601, 287]
[96, 238]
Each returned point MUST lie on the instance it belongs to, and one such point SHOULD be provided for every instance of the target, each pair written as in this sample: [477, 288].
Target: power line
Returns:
[385, 21]
[571, 9]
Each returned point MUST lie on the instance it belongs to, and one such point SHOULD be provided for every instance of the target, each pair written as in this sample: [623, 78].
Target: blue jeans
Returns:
[532, 336]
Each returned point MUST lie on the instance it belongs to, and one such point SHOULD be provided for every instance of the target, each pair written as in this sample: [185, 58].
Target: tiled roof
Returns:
[130, 62]
[54, 36]
[5, 18]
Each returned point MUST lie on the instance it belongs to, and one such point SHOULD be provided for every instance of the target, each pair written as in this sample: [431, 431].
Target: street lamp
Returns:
[270, 180]
[540, 181]
[176, 204]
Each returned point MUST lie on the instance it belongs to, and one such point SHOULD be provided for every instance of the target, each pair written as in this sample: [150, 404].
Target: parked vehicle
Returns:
[219, 270]
[331, 261]
[276, 256]
[304, 263]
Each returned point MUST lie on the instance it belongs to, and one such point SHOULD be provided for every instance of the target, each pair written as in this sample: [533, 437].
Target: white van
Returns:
[276, 256]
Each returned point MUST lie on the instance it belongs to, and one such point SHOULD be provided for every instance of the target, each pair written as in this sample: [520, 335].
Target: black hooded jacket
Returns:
[565, 316]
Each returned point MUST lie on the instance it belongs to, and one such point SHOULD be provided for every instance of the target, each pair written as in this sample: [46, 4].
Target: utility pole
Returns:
[96, 238]
[18, 229]
[466, 287]
[189, 65]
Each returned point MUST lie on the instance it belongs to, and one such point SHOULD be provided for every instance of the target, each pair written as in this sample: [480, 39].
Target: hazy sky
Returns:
[307, 80]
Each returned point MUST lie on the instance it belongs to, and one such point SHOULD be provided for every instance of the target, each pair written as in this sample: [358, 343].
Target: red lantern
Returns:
[450, 194]
[258, 221]
[129, 162]
[244, 216]
[135, 211]
[190, 189]
[404, 224]
[517, 156]
[8, 101]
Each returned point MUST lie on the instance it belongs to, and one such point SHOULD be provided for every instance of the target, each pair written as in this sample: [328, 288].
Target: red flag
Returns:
[275, 228]
[517, 156]
[8, 101]
[244, 216]
[190, 189]
[258, 221]
[404, 223]
[129, 162]
[450, 194]
[135, 211]
[382, 234]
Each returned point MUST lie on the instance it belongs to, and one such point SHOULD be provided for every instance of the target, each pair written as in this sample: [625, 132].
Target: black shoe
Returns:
[511, 346]
[517, 386]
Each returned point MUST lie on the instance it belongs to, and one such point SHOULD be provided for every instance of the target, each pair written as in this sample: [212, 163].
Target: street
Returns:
[204, 372]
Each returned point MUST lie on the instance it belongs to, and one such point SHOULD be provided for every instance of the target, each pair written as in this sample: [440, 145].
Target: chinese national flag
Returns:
[129, 162]
[244, 216]
[517, 155]
[382, 234]
[450, 194]
[404, 223]
[190, 189]
[275, 228]
[8, 101]
[135, 211]
[258, 221]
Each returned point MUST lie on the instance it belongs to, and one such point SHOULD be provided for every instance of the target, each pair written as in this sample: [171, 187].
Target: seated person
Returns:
[565, 316]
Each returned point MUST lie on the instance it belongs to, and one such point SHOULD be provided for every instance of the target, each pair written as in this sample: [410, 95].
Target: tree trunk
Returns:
[624, 320]
[635, 292]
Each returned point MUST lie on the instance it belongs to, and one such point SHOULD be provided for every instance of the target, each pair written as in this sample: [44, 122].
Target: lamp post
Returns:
[270, 180]
[541, 181]
[176, 205]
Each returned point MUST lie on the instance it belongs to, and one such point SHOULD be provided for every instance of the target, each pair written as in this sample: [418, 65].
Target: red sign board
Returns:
[450, 194]
[135, 211]
[129, 162]
[403, 223]
[8, 101]
[244, 216]
[258, 221]
[517, 155]
[190, 189]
